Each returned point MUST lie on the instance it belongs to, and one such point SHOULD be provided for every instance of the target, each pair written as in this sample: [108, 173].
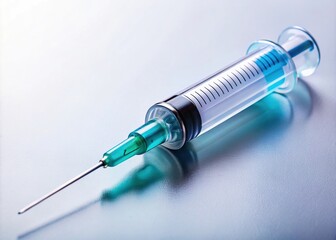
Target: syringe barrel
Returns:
[266, 68]
[239, 85]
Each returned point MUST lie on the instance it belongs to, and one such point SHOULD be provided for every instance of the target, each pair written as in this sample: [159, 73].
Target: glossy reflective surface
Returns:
[71, 74]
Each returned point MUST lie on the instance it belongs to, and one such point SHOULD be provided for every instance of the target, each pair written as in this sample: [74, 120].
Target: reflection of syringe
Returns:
[268, 67]
[174, 165]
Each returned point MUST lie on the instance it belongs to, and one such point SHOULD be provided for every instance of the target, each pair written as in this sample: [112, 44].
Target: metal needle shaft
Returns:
[33, 204]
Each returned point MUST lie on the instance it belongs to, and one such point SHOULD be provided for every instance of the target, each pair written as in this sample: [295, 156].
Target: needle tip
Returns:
[33, 204]
[23, 210]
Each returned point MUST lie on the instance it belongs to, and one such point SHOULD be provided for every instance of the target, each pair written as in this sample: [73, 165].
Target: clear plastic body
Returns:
[268, 67]
[240, 85]
[296, 41]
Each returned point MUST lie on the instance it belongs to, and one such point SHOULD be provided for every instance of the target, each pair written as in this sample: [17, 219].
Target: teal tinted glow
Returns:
[138, 180]
[146, 137]
[271, 64]
[128, 148]
[154, 132]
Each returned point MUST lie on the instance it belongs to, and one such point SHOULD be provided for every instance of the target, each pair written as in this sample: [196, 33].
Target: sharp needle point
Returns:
[33, 204]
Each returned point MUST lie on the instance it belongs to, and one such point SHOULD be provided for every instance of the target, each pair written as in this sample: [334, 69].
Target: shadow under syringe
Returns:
[265, 119]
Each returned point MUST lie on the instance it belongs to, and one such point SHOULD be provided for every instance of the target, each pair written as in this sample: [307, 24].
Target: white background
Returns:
[77, 76]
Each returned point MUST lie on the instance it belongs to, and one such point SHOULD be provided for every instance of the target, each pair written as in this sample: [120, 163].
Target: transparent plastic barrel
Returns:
[268, 67]
[239, 85]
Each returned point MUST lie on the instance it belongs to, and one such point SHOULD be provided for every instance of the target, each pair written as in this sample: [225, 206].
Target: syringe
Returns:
[268, 67]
